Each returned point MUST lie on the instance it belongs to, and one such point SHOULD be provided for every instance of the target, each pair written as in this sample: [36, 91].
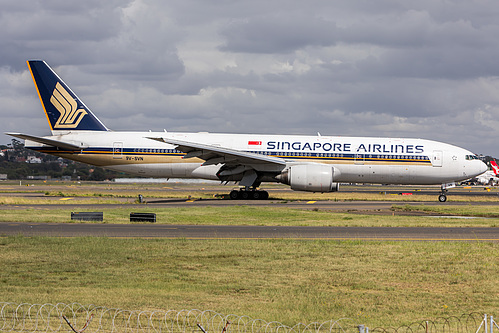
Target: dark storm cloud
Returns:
[98, 34]
[58, 30]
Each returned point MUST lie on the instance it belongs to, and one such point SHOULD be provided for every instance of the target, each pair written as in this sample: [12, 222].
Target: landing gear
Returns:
[251, 194]
[443, 195]
[249, 183]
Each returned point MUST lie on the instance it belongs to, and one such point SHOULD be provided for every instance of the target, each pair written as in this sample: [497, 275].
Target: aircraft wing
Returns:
[45, 141]
[216, 154]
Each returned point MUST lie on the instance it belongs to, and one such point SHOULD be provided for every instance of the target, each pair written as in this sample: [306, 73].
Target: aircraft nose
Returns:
[482, 167]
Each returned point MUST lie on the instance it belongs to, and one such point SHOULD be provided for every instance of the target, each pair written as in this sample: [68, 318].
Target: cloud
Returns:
[278, 33]
[377, 68]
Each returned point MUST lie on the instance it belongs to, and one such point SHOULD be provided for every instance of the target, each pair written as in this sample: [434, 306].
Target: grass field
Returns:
[291, 281]
[378, 283]
[468, 210]
[247, 215]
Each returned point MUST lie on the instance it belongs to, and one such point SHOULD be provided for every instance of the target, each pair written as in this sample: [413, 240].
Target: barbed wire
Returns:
[26, 317]
[452, 324]
[60, 317]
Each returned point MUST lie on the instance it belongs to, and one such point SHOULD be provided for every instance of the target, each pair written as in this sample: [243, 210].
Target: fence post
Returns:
[491, 324]
[361, 329]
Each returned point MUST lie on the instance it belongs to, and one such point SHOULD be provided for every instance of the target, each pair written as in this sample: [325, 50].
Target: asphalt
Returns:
[151, 230]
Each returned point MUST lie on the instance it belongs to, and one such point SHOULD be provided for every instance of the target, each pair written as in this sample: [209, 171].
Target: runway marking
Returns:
[311, 202]
[192, 200]
[63, 199]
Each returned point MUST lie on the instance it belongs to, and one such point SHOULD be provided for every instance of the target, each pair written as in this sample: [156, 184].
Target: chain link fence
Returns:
[90, 318]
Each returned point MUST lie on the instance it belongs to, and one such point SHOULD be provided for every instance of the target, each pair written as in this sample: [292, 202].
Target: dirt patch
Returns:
[389, 212]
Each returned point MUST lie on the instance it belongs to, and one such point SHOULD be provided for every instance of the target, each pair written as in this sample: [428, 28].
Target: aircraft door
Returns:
[118, 150]
[437, 158]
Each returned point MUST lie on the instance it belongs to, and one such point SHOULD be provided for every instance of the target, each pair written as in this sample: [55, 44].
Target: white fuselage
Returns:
[356, 159]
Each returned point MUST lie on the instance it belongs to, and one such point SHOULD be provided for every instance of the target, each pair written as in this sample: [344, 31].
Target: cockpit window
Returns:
[472, 157]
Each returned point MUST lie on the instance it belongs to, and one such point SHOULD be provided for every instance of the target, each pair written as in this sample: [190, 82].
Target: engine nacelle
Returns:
[310, 177]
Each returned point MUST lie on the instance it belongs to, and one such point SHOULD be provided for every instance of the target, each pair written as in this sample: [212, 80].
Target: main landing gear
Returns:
[248, 194]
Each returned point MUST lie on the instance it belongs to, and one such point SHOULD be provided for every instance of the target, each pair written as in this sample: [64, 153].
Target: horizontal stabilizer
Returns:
[45, 141]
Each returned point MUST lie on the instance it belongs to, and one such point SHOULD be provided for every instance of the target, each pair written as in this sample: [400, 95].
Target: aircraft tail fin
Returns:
[64, 110]
[495, 167]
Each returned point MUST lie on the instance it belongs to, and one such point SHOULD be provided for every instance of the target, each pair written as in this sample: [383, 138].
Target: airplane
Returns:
[489, 177]
[305, 163]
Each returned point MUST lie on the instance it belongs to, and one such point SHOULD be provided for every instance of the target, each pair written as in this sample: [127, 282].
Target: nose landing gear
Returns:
[445, 187]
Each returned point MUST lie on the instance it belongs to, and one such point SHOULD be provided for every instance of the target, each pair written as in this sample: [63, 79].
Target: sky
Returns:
[386, 68]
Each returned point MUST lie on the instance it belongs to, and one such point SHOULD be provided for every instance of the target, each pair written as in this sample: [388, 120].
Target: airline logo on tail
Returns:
[70, 116]
[495, 167]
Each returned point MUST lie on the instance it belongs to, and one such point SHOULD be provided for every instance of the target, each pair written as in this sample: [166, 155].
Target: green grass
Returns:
[243, 215]
[486, 211]
[378, 283]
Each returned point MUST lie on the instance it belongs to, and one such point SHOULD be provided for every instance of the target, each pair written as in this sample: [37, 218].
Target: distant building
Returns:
[62, 162]
[3, 176]
[38, 177]
[34, 159]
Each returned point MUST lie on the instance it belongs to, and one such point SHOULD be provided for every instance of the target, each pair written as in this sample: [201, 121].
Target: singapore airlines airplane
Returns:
[306, 163]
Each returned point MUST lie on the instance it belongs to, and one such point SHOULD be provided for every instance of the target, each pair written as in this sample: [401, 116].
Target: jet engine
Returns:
[310, 177]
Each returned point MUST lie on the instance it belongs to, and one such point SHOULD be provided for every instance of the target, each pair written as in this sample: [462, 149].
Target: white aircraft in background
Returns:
[306, 163]
[489, 177]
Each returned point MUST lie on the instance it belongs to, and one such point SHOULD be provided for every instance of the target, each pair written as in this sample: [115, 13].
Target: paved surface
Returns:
[58, 202]
[248, 232]
[169, 203]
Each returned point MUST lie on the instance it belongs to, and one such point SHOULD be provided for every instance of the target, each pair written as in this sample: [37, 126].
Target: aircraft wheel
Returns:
[234, 195]
[265, 195]
[442, 198]
[257, 195]
[245, 195]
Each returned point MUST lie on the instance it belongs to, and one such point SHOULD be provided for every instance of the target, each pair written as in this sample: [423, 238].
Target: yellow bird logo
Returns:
[70, 116]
